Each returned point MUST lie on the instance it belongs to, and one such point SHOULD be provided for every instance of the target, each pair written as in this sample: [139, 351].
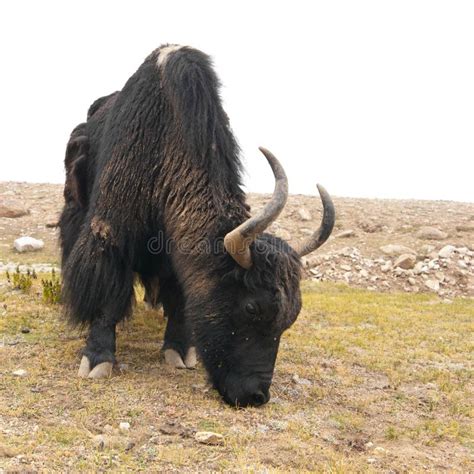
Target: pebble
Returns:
[301, 381]
[405, 261]
[345, 234]
[25, 330]
[124, 426]
[209, 437]
[432, 284]
[419, 268]
[20, 373]
[278, 425]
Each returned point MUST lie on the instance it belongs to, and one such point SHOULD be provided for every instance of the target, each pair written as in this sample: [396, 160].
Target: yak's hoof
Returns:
[85, 367]
[173, 359]
[100, 371]
[191, 358]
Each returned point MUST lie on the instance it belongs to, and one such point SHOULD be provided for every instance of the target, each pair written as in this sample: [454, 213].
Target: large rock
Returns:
[28, 244]
[12, 212]
[431, 233]
[395, 250]
[405, 261]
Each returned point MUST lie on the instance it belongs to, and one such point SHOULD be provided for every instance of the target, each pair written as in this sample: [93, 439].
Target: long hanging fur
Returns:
[160, 146]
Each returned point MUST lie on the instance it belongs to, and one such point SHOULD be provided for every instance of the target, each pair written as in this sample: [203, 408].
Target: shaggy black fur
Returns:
[158, 159]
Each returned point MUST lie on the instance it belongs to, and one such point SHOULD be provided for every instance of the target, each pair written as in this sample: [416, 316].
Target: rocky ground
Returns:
[377, 378]
[384, 245]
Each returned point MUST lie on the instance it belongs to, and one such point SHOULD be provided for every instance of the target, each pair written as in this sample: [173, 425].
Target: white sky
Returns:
[369, 98]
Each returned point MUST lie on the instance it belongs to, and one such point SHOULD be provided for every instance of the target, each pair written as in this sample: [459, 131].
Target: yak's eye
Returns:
[250, 308]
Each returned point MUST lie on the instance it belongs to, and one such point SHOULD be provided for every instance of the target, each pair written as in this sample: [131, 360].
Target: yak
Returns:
[153, 188]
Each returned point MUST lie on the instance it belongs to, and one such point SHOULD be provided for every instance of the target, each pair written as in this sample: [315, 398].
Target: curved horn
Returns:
[237, 241]
[325, 229]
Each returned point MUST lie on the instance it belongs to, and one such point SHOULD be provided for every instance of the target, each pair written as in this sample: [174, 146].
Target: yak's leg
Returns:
[178, 348]
[152, 292]
[99, 353]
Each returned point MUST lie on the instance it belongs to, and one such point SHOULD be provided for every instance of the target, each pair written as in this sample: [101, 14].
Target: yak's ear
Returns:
[76, 189]
[76, 181]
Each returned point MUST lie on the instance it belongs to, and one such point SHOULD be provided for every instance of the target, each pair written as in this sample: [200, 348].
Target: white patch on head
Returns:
[165, 52]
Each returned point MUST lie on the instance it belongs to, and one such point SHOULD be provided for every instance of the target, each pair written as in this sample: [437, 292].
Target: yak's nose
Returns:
[248, 392]
[259, 398]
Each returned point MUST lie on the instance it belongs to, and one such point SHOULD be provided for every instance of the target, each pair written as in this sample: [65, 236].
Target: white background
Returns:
[370, 98]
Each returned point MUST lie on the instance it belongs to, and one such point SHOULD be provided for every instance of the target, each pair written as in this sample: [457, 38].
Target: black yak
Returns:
[153, 188]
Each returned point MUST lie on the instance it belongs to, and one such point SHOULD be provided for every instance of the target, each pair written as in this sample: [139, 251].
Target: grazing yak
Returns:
[153, 188]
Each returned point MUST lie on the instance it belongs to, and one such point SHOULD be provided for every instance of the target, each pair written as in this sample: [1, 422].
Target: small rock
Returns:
[426, 250]
[28, 244]
[12, 212]
[369, 445]
[371, 460]
[345, 267]
[345, 234]
[208, 437]
[395, 250]
[431, 233]
[304, 214]
[301, 381]
[7, 452]
[405, 261]
[432, 284]
[465, 228]
[25, 330]
[446, 251]
[117, 442]
[411, 281]
[364, 273]
[420, 268]
[124, 426]
[278, 425]
[370, 227]
[20, 373]
[386, 267]
[380, 450]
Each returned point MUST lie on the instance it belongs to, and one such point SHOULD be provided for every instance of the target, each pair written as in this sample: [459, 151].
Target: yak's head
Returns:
[243, 314]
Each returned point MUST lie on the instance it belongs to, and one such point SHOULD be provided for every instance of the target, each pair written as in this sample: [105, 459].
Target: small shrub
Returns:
[21, 281]
[51, 289]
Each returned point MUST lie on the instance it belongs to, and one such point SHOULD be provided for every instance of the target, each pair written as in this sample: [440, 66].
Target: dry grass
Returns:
[394, 370]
